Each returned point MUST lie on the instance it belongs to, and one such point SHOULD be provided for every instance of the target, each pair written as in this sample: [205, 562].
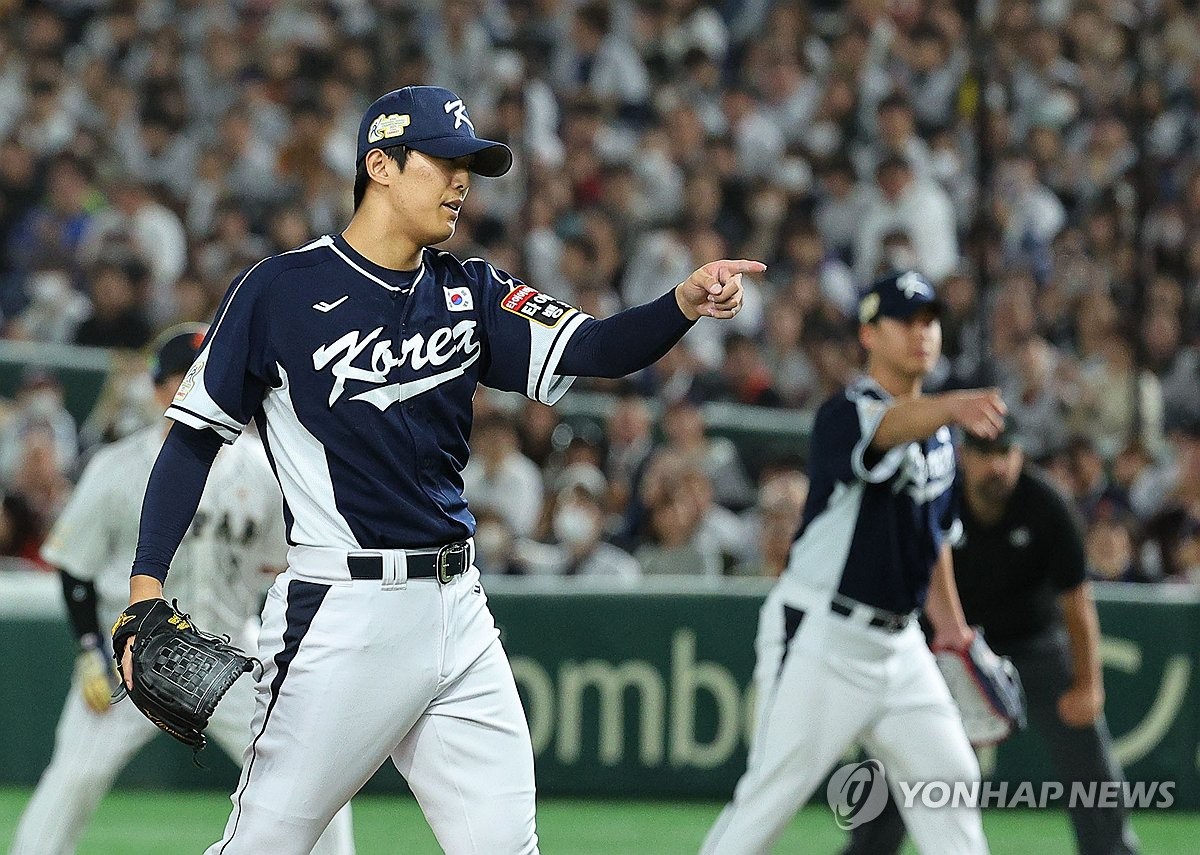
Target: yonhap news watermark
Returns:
[857, 793]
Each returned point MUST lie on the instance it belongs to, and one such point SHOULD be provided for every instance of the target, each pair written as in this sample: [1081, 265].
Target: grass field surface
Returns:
[146, 823]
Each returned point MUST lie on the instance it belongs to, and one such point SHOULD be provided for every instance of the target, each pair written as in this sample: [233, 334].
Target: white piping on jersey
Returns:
[383, 397]
[373, 277]
[302, 467]
[324, 240]
[552, 385]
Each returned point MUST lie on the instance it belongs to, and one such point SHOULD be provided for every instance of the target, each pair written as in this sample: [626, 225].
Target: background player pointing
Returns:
[358, 355]
[840, 656]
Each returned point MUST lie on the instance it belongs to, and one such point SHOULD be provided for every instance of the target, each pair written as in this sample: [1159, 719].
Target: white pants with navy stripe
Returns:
[91, 748]
[354, 675]
[837, 683]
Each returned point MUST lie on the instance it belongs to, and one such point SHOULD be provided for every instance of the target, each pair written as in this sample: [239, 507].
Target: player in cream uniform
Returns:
[223, 569]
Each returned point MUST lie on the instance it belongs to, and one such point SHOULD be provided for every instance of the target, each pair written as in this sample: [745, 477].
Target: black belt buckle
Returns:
[452, 560]
[889, 621]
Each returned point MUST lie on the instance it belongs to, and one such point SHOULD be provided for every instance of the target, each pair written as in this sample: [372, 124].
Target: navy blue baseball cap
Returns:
[175, 350]
[897, 295]
[431, 120]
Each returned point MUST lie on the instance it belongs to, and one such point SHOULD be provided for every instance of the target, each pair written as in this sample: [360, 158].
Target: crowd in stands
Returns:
[1038, 163]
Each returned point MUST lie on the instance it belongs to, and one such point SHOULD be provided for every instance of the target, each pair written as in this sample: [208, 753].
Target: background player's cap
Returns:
[175, 350]
[431, 120]
[897, 295]
[1006, 439]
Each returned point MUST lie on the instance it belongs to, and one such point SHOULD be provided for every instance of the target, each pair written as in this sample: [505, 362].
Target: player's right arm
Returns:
[979, 411]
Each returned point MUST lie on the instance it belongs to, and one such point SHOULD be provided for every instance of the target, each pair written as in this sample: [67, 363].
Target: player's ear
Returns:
[866, 335]
[379, 166]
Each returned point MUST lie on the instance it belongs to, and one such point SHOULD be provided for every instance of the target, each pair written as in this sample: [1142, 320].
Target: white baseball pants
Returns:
[837, 682]
[90, 749]
[355, 673]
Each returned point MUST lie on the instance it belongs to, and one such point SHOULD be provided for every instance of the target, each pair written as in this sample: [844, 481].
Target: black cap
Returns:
[175, 350]
[431, 120]
[1006, 439]
[897, 295]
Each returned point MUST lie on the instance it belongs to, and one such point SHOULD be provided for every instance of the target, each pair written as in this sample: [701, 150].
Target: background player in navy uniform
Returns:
[358, 355]
[1021, 573]
[840, 658]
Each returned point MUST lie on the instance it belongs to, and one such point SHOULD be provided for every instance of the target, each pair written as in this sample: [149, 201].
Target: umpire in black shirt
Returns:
[1020, 569]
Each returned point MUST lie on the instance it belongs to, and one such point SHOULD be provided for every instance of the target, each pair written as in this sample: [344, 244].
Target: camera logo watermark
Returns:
[857, 793]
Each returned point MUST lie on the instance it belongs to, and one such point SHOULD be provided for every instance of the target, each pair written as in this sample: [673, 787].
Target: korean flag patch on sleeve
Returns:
[535, 306]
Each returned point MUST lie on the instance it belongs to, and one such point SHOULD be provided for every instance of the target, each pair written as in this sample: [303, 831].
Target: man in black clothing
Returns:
[1020, 570]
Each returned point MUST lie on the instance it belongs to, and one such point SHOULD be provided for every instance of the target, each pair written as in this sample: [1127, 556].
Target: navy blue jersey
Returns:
[361, 378]
[874, 524]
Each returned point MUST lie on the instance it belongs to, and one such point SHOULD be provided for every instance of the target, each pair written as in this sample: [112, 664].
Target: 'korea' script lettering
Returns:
[416, 351]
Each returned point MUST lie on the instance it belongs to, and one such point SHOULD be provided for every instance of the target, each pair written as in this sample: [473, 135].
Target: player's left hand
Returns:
[97, 679]
[954, 638]
[715, 290]
[1081, 705]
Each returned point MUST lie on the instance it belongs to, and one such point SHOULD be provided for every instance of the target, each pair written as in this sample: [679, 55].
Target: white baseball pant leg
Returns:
[354, 674]
[920, 737]
[90, 749]
[823, 682]
[229, 728]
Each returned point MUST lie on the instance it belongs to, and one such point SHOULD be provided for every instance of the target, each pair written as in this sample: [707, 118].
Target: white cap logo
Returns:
[460, 114]
[912, 284]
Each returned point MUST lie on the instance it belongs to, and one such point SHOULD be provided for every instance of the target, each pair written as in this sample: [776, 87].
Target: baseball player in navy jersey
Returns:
[840, 656]
[237, 532]
[357, 355]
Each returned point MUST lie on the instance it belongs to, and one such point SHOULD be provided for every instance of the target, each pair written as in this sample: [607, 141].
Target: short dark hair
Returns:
[397, 153]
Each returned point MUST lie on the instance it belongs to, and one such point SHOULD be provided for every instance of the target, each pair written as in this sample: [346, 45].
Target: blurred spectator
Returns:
[116, 318]
[596, 58]
[1113, 391]
[501, 479]
[578, 530]
[1110, 550]
[1095, 494]
[745, 377]
[775, 519]
[495, 545]
[1038, 396]
[20, 534]
[686, 436]
[912, 206]
[40, 422]
[628, 434]
[669, 545]
[57, 227]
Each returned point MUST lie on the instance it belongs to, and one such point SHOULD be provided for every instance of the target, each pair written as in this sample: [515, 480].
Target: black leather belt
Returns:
[880, 618]
[451, 560]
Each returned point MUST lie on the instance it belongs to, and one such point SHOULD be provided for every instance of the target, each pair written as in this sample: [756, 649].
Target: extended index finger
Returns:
[730, 267]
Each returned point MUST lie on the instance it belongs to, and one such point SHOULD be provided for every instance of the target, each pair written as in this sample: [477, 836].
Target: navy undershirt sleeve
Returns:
[627, 342]
[172, 496]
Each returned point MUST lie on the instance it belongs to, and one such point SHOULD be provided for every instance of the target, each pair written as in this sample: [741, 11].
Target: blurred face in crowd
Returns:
[1109, 548]
[424, 196]
[577, 521]
[991, 475]
[893, 180]
[630, 421]
[907, 348]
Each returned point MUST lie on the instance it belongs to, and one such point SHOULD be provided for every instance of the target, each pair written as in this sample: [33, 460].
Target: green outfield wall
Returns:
[647, 692]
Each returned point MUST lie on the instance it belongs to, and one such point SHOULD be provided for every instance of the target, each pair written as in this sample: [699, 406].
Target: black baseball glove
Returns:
[179, 672]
